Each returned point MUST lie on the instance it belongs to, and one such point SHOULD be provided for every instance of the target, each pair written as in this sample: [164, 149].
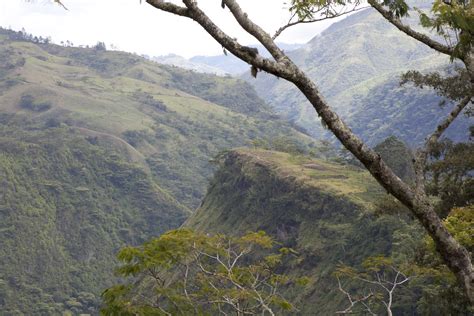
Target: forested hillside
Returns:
[130, 187]
[357, 64]
[66, 206]
[169, 119]
[99, 150]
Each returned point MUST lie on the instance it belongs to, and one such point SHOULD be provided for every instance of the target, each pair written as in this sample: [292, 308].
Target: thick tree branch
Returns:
[455, 256]
[256, 31]
[409, 31]
[288, 70]
[247, 54]
[169, 7]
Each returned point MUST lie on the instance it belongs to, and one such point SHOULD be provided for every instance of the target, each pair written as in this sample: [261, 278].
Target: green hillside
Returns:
[171, 120]
[66, 206]
[357, 63]
[321, 209]
[101, 149]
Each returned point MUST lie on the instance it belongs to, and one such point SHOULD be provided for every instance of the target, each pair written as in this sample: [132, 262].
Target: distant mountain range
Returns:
[179, 61]
[220, 64]
[357, 63]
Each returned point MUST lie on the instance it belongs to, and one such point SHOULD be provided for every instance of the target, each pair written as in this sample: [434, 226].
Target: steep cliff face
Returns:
[321, 209]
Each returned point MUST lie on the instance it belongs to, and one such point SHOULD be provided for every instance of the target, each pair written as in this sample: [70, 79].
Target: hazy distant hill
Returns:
[357, 63]
[101, 149]
[179, 61]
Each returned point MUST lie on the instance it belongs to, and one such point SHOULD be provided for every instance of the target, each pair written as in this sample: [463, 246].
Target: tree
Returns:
[381, 276]
[183, 272]
[188, 273]
[453, 20]
[451, 179]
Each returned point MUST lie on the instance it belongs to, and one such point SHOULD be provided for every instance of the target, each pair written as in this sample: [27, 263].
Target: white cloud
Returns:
[141, 28]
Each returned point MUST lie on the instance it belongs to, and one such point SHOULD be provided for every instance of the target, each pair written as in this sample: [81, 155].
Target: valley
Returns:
[104, 152]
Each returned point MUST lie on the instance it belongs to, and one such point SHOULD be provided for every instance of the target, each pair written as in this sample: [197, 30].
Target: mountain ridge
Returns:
[322, 210]
[353, 62]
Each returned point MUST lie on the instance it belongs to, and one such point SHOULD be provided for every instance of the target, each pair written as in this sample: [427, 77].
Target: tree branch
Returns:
[169, 7]
[290, 23]
[447, 122]
[353, 302]
[286, 69]
[422, 154]
[409, 31]
[247, 54]
[61, 4]
[255, 30]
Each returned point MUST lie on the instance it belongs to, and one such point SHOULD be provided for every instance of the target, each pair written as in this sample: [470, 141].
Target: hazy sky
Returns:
[140, 28]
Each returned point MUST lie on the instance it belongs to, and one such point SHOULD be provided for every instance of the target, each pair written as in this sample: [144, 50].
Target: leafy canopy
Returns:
[184, 272]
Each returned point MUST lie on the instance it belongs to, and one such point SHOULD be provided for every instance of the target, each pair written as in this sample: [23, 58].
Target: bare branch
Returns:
[422, 154]
[409, 31]
[292, 23]
[169, 7]
[447, 122]
[61, 4]
[353, 302]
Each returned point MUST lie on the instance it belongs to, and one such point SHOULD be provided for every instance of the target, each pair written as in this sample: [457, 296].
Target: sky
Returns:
[142, 29]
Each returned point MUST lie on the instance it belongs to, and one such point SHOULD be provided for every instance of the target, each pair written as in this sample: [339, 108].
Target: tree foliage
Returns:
[454, 86]
[184, 272]
[450, 173]
[454, 21]
[381, 277]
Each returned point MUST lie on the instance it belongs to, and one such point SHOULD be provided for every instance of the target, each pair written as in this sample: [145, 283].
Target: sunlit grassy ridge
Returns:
[324, 210]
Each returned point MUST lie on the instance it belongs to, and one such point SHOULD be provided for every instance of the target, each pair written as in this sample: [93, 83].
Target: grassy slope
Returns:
[357, 63]
[176, 120]
[98, 158]
[321, 209]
